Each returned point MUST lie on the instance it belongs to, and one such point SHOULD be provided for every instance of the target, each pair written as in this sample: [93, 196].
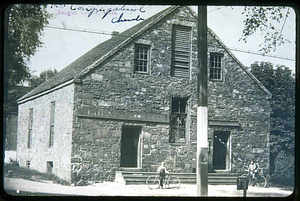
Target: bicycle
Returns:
[170, 182]
[258, 180]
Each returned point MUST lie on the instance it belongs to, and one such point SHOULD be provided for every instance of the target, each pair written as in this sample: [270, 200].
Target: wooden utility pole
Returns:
[202, 122]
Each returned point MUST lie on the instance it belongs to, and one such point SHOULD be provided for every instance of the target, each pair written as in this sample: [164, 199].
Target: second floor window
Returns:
[52, 115]
[141, 58]
[216, 67]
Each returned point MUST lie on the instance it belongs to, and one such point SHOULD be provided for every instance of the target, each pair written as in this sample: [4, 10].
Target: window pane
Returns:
[52, 112]
[178, 119]
[30, 123]
[216, 67]
[29, 138]
[51, 135]
[181, 133]
[30, 118]
[141, 58]
[182, 106]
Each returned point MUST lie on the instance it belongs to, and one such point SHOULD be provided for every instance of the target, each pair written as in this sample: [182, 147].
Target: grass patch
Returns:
[34, 175]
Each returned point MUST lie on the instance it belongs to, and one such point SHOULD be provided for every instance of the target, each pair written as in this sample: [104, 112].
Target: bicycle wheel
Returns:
[173, 182]
[261, 181]
[250, 181]
[152, 182]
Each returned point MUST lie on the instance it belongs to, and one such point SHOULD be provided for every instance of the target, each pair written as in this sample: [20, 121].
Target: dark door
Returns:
[220, 149]
[129, 146]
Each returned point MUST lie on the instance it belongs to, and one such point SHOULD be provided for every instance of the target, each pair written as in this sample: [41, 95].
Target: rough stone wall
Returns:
[98, 152]
[238, 98]
[114, 86]
[40, 152]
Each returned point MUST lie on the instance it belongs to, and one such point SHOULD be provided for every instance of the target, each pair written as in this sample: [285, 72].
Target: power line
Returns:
[216, 9]
[260, 54]
[78, 30]
[109, 33]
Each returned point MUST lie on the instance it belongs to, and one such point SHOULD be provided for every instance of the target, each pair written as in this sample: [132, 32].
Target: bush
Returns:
[30, 174]
[14, 162]
[284, 173]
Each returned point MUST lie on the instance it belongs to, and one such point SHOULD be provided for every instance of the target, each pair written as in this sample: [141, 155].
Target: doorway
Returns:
[130, 146]
[221, 150]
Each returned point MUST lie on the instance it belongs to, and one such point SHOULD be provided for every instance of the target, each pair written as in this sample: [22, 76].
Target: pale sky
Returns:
[62, 47]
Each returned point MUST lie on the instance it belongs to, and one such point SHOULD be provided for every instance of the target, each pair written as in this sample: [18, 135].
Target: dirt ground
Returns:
[15, 186]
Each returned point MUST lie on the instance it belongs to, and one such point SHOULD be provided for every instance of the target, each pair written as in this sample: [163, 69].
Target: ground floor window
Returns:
[28, 164]
[178, 120]
[30, 127]
[49, 166]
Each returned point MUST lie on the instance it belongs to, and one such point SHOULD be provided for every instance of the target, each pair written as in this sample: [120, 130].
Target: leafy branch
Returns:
[265, 20]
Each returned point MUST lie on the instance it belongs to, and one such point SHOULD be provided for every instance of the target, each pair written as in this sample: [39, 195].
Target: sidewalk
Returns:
[115, 189]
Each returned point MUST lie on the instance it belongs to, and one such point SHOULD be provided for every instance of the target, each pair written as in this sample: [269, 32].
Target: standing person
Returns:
[256, 169]
[252, 171]
[162, 171]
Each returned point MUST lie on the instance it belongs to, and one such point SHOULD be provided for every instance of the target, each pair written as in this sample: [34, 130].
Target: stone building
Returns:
[130, 102]
[10, 117]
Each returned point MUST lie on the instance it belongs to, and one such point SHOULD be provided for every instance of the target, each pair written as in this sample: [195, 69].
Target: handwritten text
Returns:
[121, 19]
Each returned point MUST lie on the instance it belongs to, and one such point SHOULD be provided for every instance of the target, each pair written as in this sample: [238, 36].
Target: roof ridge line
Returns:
[126, 41]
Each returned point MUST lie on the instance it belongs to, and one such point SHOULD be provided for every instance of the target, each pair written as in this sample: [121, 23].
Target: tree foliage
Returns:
[35, 81]
[266, 20]
[281, 83]
[23, 28]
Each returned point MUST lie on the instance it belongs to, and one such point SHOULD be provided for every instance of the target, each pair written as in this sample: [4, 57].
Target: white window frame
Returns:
[144, 47]
[215, 68]
[30, 123]
[185, 115]
[52, 121]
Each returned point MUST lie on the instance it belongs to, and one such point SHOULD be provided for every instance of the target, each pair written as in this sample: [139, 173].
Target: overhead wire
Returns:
[111, 33]
[216, 9]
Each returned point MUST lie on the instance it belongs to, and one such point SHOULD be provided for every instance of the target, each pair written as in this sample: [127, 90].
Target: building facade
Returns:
[130, 102]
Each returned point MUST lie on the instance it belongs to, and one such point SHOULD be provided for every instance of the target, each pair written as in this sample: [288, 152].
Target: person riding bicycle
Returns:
[253, 170]
[162, 171]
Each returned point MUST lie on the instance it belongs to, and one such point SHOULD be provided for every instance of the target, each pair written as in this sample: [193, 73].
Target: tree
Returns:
[24, 24]
[281, 83]
[35, 81]
[265, 19]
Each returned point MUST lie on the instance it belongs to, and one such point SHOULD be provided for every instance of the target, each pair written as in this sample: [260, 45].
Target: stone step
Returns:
[183, 174]
[144, 177]
[224, 178]
[212, 182]
[132, 170]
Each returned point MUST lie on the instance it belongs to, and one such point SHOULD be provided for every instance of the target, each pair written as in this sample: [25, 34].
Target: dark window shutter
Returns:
[181, 48]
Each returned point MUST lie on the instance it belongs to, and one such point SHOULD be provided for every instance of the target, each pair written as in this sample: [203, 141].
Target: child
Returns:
[162, 174]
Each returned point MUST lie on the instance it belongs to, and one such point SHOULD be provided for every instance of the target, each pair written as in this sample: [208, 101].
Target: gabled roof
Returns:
[107, 48]
[97, 54]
